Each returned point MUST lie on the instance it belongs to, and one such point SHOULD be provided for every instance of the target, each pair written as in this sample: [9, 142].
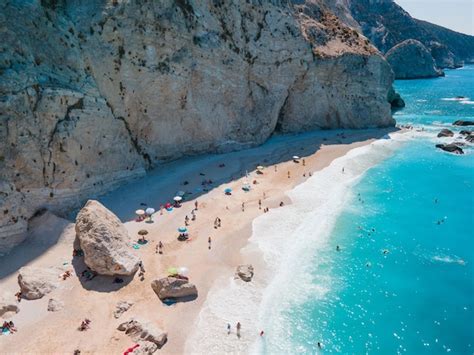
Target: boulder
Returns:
[8, 306]
[172, 287]
[451, 148]
[105, 241]
[465, 133]
[445, 133]
[35, 282]
[245, 272]
[121, 308]
[395, 100]
[55, 305]
[463, 123]
[144, 331]
[411, 59]
[470, 138]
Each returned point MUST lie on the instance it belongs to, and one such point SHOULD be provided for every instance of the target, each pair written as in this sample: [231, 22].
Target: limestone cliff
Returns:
[93, 93]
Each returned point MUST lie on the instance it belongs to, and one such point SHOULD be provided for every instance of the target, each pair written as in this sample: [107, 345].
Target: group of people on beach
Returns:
[8, 326]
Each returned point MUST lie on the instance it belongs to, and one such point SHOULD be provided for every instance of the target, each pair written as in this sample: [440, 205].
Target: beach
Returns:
[51, 244]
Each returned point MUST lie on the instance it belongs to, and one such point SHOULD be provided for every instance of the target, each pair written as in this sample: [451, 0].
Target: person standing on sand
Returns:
[228, 328]
[259, 204]
[288, 174]
[343, 170]
[238, 329]
[186, 220]
[160, 247]
[243, 206]
[209, 241]
[196, 205]
[275, 168]
[304, 162]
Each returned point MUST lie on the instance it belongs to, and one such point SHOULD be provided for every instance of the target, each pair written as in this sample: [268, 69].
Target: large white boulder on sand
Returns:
[172, 287]
[35, 282]
[105, 241]
[140, 330]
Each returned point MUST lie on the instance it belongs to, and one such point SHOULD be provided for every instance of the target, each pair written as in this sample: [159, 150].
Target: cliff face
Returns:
[411, 59]
[94, 93]
[386, 24]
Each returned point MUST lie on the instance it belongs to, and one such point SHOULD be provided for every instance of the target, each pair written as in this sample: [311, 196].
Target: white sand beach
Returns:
[51, 240]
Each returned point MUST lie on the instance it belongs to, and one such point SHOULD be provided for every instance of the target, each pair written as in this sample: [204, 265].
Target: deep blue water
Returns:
[404, 278]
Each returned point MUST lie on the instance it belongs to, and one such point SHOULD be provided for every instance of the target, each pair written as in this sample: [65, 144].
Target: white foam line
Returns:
[286, 238]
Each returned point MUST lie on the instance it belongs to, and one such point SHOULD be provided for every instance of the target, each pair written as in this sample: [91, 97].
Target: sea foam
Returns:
[282, 247]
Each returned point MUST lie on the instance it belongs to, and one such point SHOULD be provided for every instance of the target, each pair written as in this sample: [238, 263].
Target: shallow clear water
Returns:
[403, 280]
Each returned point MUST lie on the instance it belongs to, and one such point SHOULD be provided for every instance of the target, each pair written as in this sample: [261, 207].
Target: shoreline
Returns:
[206, 267]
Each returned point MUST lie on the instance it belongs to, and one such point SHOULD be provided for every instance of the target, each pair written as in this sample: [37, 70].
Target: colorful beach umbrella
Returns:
[172, 271]
[149, 211]
[182, 270]
[168, 205]
[142, 232]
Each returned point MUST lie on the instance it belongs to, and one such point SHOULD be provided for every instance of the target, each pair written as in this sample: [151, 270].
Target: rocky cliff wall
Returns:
[386, 24]
[94, 93]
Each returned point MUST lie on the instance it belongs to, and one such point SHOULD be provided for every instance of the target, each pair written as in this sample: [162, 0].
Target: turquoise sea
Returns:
[403, 280]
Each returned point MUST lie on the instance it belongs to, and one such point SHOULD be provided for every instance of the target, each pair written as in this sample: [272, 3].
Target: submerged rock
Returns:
[35, 282]
[411, 59]
[174, 288]
[145, 331]
[445, 133]
[245, 272]
[451, 148]
[463, 123]
[105, 241]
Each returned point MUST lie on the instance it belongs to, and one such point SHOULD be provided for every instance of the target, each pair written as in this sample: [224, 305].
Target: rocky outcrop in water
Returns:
[104, 241]
[451, 148]
[463, 123]
[445, 133]
[386, 24]
[95, 93]
[411, 60]
[245, 272]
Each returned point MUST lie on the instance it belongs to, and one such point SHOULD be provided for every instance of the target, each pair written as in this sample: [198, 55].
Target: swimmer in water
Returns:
[338, 248]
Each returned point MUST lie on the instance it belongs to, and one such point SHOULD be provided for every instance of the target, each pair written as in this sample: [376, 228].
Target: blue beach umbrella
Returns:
[228, 190]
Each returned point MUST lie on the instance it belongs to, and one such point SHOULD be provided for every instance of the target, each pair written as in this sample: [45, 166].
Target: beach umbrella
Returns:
[182, 229]
[228, 190]
[180, 193]
[295, 157]
[177, 198]
[182, 270]
[149, 211]
[172, 271]
[168, 205]
[260, 167]
[142, 232]
[140, 212]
